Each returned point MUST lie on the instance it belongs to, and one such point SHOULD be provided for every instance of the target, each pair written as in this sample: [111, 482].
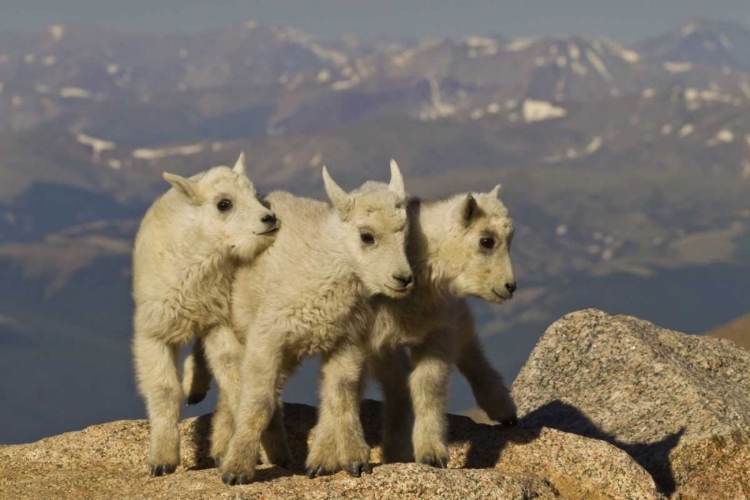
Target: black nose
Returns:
[269, 219]
[404, 280]
[511, 287]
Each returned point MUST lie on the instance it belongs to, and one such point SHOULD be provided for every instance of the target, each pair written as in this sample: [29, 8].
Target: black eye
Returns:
[487, 243]
[367, 238]
[224, 205]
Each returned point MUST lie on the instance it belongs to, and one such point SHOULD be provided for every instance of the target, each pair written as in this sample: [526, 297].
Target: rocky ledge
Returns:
[678, 404]
[612, 408]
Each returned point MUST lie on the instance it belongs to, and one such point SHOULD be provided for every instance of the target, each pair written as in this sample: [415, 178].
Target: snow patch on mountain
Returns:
[57, 31]
[436, 108]
[693, 94]
[156, 154]
[722, 136]
[689, 28]
[677, 67]
[630, 56]
[97, 145]
[599, 66]
[686, 130]
[481, 46]
[520, 44]
[76, 93]
[295, 36]
[345, 84]
[594, 145]
[534, 111]
[402, 59]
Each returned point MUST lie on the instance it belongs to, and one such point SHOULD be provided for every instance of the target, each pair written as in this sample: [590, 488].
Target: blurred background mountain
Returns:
[626, 169]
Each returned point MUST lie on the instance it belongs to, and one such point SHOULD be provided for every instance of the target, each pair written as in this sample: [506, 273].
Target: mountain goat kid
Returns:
[457, 247]
[309, 294]
[187, 249]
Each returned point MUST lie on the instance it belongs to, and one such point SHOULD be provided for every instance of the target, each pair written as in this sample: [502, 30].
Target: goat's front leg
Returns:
[261, 379]
[223, 353]
[338, 439]
[391, 369]
[432, 362]
[158, 381]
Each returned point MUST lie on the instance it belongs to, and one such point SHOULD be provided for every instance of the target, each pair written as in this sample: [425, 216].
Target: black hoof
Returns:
[510, 422]
[440, 463]
[356, 470]
[234, 480]
[194, 399]
[162, 470]
[313, 471]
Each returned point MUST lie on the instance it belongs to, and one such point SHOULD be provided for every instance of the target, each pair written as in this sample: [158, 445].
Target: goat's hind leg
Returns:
[158, 381]
[490, 391]
[391, 370]
[196, 377]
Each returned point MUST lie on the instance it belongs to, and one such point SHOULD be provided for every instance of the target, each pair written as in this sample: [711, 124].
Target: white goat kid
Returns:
[309, 294]
[457, 247]
[187, 249]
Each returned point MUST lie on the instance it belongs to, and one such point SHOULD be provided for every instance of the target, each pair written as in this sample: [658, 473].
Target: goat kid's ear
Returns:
[340, 200]
[183, 185]
[240, 167]
[496, 191]
[397, 180]
[467, 209]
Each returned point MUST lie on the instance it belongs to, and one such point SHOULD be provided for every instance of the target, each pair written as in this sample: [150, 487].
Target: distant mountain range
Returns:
[738, 331]
[268, 80]
[626, 169]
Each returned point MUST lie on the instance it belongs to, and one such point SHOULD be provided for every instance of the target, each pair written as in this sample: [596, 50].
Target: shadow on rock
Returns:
[298, 421]
[485, 443]
[202, 443]
[654, 457]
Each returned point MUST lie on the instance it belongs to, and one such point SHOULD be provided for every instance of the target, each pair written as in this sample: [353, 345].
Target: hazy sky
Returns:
[625, 20]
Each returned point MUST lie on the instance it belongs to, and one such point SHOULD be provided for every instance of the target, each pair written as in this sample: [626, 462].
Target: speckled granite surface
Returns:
[679, 404]
[108, 461]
